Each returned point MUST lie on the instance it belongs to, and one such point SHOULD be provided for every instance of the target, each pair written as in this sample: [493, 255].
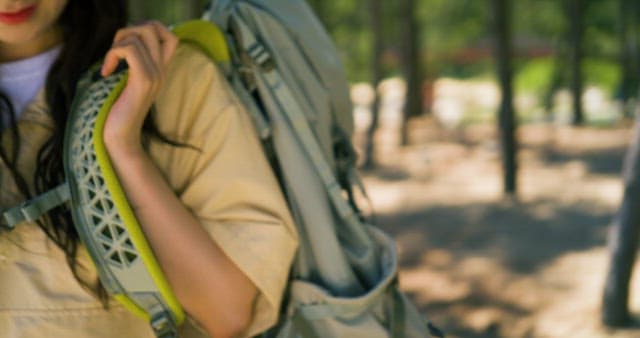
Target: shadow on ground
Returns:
[480, 267]
[519, 238]
[598, 162]
[522, 235]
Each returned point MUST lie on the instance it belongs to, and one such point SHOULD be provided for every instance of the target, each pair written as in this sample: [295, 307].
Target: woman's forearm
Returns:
[207, 283]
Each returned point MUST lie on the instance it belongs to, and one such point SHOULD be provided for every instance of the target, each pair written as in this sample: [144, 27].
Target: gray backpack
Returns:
[286, 70]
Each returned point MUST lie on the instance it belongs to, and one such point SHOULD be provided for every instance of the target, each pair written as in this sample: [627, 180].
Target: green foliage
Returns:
[452, 29]
[601, 21]
[602, 73]
[534, 75]
[167, 11]
[540, 19]
[347, 22]
[453, 24]
[456, 37]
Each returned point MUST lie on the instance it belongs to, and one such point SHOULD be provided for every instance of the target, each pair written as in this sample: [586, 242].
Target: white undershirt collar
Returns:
[21, 80]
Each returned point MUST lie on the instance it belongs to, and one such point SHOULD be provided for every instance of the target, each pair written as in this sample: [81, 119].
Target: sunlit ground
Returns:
[480, 265]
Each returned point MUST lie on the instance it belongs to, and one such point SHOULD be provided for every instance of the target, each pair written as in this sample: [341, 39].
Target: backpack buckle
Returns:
[163, 325]
[31, 210]
[260, 56]
[4, 224]
[24, 212]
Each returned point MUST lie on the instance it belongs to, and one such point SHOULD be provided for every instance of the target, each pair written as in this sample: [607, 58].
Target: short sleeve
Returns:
[221, 174]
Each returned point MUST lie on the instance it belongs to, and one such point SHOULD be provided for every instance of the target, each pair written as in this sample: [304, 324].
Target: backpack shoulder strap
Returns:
[207, 37]
[107, 226]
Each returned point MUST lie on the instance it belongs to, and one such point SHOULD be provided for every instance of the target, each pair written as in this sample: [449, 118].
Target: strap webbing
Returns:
[33, 209]
[163, 325]
[272, 79]
[398, 316]
[303, 327]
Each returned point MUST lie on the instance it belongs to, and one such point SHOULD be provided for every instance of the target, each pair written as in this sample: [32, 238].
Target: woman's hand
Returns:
[147, 49]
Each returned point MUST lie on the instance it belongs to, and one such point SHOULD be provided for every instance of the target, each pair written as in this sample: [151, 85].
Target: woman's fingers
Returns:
[132, 50]
[168, 41]
[125, 119]
[147, 49]
[158, 44]
[147, 34]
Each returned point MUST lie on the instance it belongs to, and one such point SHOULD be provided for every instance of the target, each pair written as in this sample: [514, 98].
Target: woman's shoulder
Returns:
[190, 67]
[193, 85]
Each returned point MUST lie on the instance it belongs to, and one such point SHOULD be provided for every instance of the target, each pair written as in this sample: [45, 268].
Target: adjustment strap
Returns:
[31, 210]
[271, 79]
[163, 325]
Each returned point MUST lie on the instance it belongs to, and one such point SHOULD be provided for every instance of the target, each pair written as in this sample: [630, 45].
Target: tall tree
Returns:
[411, 64]
[167, 11]
[623, 240]
[575, 12]
[624, 25]
[320, 8]
[507, 120]
[377, 38]
[634, 39]
[139, 10]
[194, 8]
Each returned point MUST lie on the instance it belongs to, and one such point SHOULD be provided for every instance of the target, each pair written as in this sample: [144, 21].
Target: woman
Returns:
[212, 210]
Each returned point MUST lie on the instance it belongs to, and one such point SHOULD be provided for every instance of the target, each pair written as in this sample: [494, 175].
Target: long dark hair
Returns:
[88, 28]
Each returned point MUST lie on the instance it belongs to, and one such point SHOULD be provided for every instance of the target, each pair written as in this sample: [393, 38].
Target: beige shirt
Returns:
[227, 184]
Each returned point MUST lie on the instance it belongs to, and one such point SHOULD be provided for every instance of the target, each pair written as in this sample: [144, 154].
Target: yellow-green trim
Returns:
[132, 306]
[126, 214]
[205, 35]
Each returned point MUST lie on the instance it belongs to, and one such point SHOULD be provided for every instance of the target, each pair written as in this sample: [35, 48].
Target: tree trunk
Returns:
[138, 10]
[375, 7]
[575, 11]
[634, 40]
[506, 113]
[623, 240]
[194, 9]
[625, 56]
[633, 43]
[319, 7]
[410, 64]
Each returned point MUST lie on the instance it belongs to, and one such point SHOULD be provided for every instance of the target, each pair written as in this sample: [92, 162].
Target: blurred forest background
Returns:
[492, 136]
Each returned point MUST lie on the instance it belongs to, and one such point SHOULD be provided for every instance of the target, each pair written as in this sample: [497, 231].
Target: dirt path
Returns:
[481, 266]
